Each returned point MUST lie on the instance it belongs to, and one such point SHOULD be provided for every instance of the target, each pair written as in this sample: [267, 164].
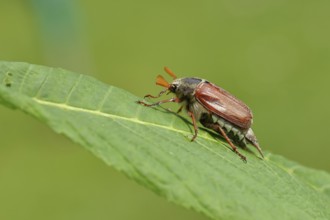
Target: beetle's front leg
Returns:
[175, 99]
[157, 96]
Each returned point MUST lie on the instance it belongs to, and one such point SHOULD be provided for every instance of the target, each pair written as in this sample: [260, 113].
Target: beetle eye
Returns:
[173, 88]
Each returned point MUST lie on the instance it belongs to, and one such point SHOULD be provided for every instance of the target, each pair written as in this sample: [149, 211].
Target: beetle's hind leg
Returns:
[175, 112]
[223, 133]
[215, 127]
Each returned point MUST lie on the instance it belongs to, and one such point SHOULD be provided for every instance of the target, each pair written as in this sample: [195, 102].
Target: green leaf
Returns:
[151, 146]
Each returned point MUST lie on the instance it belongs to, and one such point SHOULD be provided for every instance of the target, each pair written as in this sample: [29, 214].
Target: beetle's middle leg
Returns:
[180, 109]
[191, 114]
[175, 112]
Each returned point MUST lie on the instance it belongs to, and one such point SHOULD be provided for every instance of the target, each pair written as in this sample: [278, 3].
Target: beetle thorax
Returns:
[184, 88]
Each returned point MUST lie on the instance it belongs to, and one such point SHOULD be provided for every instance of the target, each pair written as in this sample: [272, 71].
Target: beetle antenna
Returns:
[170, 72]
[162, 82]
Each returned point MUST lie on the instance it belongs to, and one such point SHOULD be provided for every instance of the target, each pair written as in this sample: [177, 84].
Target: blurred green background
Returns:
[273, 54]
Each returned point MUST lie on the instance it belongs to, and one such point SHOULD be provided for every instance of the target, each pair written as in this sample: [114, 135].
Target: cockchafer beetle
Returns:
[213, 107]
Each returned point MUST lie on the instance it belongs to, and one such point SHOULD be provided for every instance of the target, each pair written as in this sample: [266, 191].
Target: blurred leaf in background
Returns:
[62, 34]
[274, 55]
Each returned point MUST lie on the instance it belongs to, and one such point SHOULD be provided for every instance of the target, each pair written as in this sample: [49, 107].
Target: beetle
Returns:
[212, 106]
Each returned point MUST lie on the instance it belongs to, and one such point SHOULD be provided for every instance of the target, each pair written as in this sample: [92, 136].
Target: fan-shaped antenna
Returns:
[162, 82]
[170, 72]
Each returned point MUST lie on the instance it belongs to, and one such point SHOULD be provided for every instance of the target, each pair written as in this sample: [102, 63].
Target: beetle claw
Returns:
[139, 102]
[190, 137]
[193, 138]
[142, 103]
[240, 155]
[243, 158]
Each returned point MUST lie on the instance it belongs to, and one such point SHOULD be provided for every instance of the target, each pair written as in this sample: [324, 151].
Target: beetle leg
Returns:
[194, 124]
[177, 112]
[180, 109]
[231, 144]
[175, 99]
[157, 96]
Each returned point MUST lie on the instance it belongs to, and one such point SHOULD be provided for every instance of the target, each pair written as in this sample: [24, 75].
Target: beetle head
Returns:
[173, 87]
[182, 87]
[162, 82]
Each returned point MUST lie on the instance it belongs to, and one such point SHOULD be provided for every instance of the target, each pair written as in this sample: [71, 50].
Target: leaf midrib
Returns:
[65, 106]
[107, 115]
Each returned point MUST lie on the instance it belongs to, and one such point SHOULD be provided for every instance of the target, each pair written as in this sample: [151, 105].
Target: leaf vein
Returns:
[74, 86]
[106, 95]
[43, 82]
[24, 77]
